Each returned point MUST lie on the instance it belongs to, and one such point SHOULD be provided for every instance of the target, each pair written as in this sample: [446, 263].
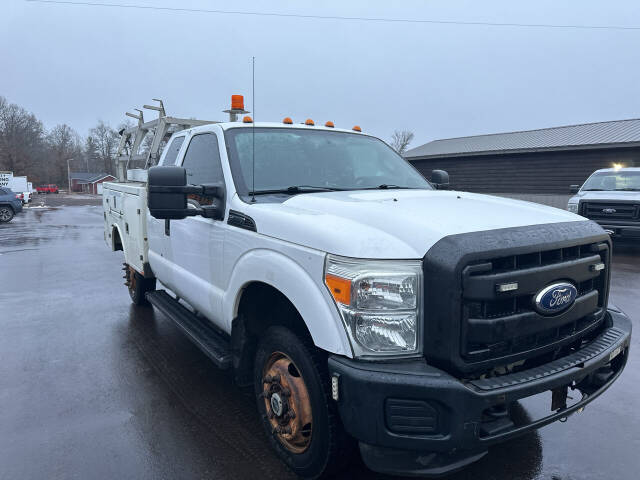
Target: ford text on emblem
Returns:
[555, 298]
[609, 210]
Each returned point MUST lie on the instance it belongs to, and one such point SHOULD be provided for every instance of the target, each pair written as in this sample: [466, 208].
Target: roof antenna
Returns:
[253, 130]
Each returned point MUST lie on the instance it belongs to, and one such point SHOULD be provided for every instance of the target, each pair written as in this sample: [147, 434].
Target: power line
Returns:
[338, 17]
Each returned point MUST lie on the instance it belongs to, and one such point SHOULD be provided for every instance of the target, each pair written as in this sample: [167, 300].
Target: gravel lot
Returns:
[93, 387]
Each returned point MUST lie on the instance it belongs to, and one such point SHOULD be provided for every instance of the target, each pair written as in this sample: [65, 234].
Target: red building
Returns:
[89, 182]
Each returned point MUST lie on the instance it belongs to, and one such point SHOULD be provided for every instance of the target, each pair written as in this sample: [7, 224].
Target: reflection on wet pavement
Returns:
[93, 387]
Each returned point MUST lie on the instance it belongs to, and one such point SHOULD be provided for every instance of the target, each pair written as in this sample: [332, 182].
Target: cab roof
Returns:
[623, 169]
[230, 125]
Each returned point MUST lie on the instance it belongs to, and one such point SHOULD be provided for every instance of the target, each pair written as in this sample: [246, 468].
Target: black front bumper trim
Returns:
[468, 416]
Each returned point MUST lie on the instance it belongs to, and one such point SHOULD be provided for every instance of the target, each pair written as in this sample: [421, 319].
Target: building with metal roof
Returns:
[89, 182]
[533, 161]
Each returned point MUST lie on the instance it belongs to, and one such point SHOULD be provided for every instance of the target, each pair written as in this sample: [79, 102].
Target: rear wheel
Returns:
[293, 395]
[6, 214]
[138, 285]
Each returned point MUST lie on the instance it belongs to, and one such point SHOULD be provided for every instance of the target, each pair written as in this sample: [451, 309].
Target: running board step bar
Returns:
[212, 342]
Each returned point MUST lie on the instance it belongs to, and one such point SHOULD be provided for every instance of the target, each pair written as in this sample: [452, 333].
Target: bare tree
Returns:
[105, 139]
[92, 156]
[400, 140]
[63, 143]
[22, 144]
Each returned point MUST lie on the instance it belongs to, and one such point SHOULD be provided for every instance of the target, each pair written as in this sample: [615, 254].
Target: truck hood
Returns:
[392, 224]
[607, 195]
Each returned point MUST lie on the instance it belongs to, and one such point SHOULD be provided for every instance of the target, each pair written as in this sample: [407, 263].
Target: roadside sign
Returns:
[5, 178]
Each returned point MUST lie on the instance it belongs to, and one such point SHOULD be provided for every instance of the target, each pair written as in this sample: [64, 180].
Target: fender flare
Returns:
[312, 301]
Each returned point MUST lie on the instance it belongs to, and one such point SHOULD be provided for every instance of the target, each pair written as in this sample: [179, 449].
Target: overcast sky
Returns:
[77, 64]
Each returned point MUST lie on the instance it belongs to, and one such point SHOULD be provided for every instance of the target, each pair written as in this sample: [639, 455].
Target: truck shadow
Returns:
[520, 458]
[230, 425]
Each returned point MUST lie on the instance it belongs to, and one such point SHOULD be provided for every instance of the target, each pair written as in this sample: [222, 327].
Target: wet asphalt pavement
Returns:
[93, 387]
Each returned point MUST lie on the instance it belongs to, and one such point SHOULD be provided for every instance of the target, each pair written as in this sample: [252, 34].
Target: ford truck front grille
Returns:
[476, 321]
[608, 211]
[505, 326]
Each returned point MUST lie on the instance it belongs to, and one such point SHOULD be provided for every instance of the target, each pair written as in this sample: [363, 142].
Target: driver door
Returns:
[196, 243]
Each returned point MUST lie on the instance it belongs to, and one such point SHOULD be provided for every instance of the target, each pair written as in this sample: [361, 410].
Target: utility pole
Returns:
[69, 175]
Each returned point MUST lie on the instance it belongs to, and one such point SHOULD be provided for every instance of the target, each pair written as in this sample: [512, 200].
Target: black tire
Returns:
[6, 214]
[329, 448]
[138, 286]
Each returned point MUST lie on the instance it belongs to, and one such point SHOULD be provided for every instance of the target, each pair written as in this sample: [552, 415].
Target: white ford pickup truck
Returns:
[610, 197]
[369, 308]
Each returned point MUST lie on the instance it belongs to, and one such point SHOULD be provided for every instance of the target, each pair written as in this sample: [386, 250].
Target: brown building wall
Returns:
[538, 172]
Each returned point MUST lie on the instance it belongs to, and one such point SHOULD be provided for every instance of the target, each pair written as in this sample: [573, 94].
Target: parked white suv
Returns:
[364, 305]
[611, 197]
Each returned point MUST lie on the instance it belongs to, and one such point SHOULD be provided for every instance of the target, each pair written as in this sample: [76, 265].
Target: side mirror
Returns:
[574, 188]
[169, 202]
[440, 179]
[168, 190]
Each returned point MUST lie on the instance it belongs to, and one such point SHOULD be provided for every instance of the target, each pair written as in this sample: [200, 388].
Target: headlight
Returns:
[572, 207]
[379, 302]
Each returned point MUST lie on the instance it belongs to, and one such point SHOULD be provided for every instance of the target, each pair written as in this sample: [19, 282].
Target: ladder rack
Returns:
[128, 155]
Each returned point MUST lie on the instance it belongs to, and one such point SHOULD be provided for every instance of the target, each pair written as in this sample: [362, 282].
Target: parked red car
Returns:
[48, 188]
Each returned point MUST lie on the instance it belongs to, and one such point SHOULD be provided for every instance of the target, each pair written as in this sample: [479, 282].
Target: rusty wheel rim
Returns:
[131, 280]
[287, 402]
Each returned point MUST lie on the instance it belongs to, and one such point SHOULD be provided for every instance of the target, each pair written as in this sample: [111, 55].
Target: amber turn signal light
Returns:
[340, 288]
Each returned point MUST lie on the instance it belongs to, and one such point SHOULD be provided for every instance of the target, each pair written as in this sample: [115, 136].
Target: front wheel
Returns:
[6, 214]
[138, 286]
[293, 394]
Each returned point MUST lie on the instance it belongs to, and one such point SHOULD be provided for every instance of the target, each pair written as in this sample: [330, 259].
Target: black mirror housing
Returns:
[168, 202]
[168, 191]
[574, 188]
[214, 211]
[440, 179]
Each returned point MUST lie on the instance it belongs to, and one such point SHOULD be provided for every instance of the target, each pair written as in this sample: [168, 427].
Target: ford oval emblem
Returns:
[556, 298]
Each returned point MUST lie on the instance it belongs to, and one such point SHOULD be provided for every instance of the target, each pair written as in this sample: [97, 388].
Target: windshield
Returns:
[621, 180]
[296, 160]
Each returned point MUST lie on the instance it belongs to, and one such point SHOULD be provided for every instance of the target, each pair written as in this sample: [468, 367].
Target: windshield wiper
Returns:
[295, 189]
[384, 186]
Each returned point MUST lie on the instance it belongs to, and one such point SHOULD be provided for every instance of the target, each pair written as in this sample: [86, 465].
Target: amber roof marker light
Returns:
[308, 121]
[247, 119]
[356, 129]
[329, 124]
[287, 121]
